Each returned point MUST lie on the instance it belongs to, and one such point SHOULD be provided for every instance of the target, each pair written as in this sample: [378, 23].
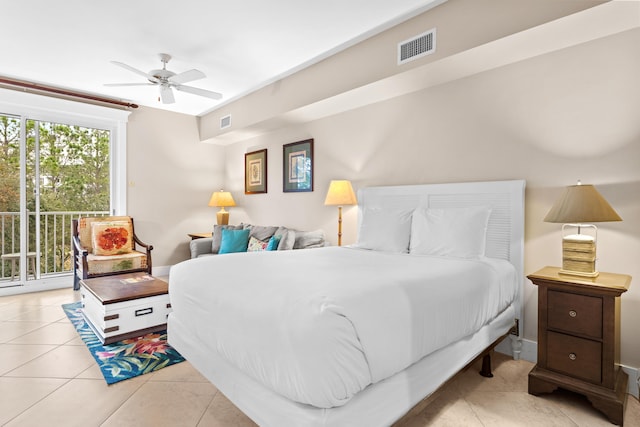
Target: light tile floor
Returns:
[48, 378]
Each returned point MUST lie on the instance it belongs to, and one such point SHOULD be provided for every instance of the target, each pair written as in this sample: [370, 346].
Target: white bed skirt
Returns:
[380, 404]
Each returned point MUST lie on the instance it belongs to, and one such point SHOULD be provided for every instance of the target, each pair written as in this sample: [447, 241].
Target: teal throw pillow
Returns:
[234, 241]
[274, 241]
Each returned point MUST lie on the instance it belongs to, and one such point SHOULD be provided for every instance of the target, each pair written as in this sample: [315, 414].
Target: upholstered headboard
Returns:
[505, 232]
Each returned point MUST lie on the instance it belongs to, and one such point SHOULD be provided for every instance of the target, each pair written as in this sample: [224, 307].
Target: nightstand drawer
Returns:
[578, 357]
[581, 314]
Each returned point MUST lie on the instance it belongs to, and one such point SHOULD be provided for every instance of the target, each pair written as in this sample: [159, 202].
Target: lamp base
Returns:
[579, 273]
[222, 217]
[339, 225]
[579, 254]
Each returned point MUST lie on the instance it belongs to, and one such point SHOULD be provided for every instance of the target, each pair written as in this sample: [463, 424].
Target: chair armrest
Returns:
[148, 248]
[80, 265]
[200, 246]
[78, 247]
[139, 242]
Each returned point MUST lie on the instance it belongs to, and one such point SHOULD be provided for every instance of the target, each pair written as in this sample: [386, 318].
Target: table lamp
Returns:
[341, 194]
[579, 206]
[222, 199]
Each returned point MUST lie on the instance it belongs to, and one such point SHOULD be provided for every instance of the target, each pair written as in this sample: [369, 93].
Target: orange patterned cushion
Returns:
[84, 228]
[100, 265]
[111, 237]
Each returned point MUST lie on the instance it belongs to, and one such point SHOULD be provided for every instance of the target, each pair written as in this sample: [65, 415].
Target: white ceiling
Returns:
[240, 45]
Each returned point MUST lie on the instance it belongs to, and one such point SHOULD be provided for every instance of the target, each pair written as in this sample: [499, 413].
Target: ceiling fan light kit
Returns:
[167, 80]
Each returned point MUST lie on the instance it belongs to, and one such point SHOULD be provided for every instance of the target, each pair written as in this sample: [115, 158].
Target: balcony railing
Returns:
[55, 246]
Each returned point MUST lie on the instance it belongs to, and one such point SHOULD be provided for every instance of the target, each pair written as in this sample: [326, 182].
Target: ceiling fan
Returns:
[166, 80]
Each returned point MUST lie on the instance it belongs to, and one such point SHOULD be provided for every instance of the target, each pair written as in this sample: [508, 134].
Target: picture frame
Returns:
[297, 166]
[255, 172]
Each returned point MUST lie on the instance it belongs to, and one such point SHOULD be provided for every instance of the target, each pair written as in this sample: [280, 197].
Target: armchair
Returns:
[105, 246]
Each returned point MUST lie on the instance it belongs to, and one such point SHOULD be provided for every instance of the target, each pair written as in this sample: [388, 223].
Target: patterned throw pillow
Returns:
[256, 245]
[111, 238]
[84, 228]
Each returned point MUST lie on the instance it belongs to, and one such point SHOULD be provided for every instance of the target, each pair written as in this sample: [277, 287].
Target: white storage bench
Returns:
[125, 306]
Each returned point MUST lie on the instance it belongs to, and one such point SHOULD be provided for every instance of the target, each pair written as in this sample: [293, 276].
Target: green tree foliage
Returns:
[74, 168]
[74, 177]
[9, 164]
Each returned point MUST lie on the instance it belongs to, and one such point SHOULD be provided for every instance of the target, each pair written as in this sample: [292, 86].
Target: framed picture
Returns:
[297, 172]
[255, 172]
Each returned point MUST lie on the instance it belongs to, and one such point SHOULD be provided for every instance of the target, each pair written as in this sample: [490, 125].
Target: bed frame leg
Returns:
[516, 346]
[486, 366]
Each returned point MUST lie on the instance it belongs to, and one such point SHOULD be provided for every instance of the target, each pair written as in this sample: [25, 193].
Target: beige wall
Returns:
[170, 176]
[551, 119]
[462, 26]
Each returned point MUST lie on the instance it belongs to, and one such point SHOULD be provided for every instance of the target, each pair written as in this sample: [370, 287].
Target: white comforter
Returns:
[319, 325]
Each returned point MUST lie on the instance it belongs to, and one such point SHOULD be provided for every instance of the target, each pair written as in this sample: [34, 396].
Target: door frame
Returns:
[30, 106]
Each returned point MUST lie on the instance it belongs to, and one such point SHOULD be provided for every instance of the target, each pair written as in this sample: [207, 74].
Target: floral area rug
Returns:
[127, 358]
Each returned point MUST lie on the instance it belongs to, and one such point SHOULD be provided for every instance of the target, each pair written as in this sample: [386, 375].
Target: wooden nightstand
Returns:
[579, 338]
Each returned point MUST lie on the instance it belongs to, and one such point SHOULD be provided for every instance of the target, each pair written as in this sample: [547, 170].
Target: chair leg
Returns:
[13, 269]
[486, 366]
[33, 266]
[76, 279]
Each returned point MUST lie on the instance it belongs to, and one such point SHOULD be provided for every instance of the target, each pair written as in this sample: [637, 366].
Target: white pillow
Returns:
[456, 232]
[386, 230]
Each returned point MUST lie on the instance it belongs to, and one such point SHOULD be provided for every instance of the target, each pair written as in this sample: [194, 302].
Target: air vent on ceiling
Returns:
[225, 122]
[417, 47]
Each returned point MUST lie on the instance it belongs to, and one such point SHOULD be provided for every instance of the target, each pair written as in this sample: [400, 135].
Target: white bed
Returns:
[352, 336]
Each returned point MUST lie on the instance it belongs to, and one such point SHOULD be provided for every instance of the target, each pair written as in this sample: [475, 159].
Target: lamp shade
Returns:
[221, 199]
[340, 194]
[581, 204]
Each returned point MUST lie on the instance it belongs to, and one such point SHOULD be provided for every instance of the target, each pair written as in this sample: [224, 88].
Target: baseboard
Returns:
[46, 284]
[528, 349]
[163, 270]
[633, 386]
[529, 352]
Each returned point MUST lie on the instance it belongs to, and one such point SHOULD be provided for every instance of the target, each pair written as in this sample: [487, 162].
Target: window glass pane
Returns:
[9, 195]
[67, 176]
[74, 168]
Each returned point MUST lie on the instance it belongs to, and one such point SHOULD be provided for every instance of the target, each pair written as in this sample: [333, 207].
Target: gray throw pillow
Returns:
[287, 240]
[261, 232]
[309, 239]
[217, 235]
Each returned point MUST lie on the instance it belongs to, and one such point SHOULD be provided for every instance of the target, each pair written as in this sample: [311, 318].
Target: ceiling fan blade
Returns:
[135, 70]
[166, 94]
[200, 92]
[128, 84]
[130, 68]
[187, 76]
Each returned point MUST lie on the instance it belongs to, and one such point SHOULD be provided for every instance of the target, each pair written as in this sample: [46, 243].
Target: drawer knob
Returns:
[573, 313]
[572, 356]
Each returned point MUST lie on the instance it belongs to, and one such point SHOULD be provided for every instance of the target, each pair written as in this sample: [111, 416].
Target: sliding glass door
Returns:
[51, 173]
[10, 218]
